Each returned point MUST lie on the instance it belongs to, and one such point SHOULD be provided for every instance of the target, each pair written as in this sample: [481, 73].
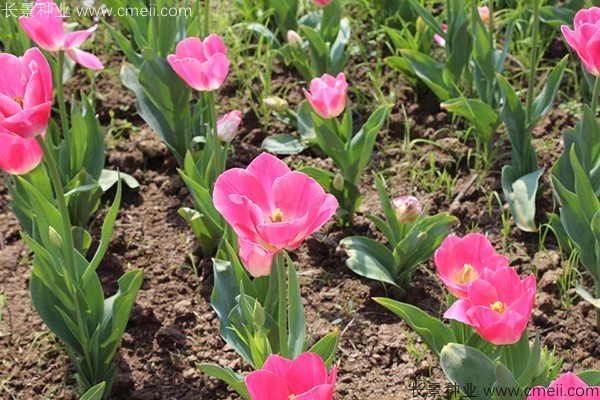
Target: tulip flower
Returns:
[484, 14]
[498, 305]
[294, 39]
[305, 378]
[25, 93]
[327, 95]
[568, 386]
[585, 39]
[203, 65]
[408, 209]
[44, 26]
[460, 261]
[321, 3]
[276, 104]
[270, 208]
[438, 38]
[228, 124]
[18, 156]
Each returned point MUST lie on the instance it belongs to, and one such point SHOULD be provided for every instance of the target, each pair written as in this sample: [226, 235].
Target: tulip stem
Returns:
[206, 18]
[534, 57]
[597, 284]
[217, 142]
[60, 95]
[595, 93]
[282, 314]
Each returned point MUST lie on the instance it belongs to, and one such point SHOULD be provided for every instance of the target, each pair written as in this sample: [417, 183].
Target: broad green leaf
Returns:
[95, 393]
[327, 346]
[108, 178]
[265, 33]
[520, 192]
[430, 71]
[227, 375]
[587, 296]
[543, 102]
[468, 368]
[506, 386]
[483, 117]
[296, 320]
[369, 258]
[284, 144]
[590, 377]
[435, 333]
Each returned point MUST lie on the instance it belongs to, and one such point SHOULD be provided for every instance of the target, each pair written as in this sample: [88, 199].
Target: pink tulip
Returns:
[498, 305]
[321, 3]
[585, 39]
[438, 38]
[305, 378]
[327, 95]
[25, 93]
[44, 26]
[294, 39]
[271, 208]
[18, 156]
[567, 387]
[202, 65]
[228, 124]
[408, 209]
[484, 14]
[460, 261]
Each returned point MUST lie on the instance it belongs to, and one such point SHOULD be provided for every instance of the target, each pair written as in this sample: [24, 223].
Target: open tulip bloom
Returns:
[44, 26]
[567, 387]
[584, 39]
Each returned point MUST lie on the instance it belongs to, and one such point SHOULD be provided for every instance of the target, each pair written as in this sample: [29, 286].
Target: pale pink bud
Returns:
[228, 124]
[408, 209]
[294, 39]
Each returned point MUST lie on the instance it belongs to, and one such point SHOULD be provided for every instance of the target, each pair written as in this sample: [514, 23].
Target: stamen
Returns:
[467, 274]
[499, 307]
[277, 216]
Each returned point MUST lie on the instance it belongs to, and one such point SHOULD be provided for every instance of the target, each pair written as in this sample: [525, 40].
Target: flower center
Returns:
[499, 307]
[466, 275]
[277, 216]
[19, 100]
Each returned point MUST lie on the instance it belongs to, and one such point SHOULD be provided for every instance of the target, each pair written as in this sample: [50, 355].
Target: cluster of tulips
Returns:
[248, 219]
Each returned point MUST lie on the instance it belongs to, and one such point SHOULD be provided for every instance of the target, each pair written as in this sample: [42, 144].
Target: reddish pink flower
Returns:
[460, 261]
[202, 65]
[498, 305]
[305, 378]
[228, 124]
[438, 38]
[321, 3]
[271, 208]
[567, 387]
[327, 95]
[484, 14]
[585, 39]
[18, 156]
[44, 26]
[25, 93]
[408, 209]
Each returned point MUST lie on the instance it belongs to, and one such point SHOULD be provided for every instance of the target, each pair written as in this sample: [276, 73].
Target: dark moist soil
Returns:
[172, 325]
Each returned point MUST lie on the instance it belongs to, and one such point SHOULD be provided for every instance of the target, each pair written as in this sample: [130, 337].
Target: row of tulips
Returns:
[269, 210]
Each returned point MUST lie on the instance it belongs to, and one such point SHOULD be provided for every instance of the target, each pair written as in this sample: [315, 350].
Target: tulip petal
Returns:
[458, 311]
[306, 372]
[85, 59]
[18, 156]
[8, 106]
[30, 122]
[76, 38]
[44, 25]
[321, 392]
[213, 45]
[39, 88]
[277, 365]
[496, 329]
[12, 84]
[190, 48]
[257, 260]
[263, 385]
[268, 168]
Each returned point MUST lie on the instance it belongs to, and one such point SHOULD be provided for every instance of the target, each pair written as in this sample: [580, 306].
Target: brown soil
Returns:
[172, 325]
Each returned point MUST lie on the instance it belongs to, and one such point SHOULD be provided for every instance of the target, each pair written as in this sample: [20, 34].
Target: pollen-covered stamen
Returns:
[277, 216]
[499, 307]
[19, 100]
[466, 275]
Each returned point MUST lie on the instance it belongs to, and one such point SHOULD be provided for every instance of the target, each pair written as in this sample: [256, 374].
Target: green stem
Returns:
[206, 18]
[534, 56]
[506, 356]
[597, 283]
[60, 94]
[282, 304]
[217, 142]
[595, 93]
[68, 249]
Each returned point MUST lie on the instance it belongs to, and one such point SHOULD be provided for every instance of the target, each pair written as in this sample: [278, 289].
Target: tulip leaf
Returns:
[284, 144]
[95, 393]
[227, 375]
[265, 33]
[429, 71]
[587, 296]
[369, 258]
[327, 346]
[435, 333]
[506, 387]
[543, 102]
[338, 54]
[296, 320]
[520, 192]
[469, 370]
[590, 377]
[483, 117]
[109, 178]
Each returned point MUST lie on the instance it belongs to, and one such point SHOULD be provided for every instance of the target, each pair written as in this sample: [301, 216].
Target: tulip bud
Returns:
[338, 182]
[228, 125]
[259, 314]
[408, 209]
[294, 39]
[55, 237]
[421, 25]
[276, 104]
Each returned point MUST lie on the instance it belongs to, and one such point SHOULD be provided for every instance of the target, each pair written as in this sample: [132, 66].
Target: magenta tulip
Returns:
[271, 208]
[408, 209]
[321, 3]
[228, 124]
[460, 261]
[294, 39]
[438, 38]
[18, 156]
[498, 305]
[305, 378]
[327, 95]
[567, 387]
[25, 93]
[44, 26]
[585, 39]
[202, 65]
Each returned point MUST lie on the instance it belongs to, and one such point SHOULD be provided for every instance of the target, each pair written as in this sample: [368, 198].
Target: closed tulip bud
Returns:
[421, 25]
[338, 182]
[408, 209]
[55, 238]
[276, 104]
[228, 124]
[294, 39]
[258, 314]
[327, 95]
